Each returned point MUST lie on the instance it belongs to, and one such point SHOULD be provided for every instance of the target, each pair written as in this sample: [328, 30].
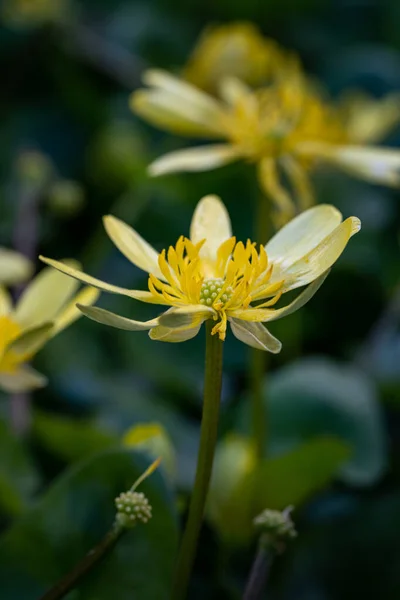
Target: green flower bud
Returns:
[132, 508]
[276, 528]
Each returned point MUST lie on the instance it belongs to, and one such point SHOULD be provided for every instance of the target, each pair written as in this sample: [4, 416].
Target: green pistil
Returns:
[211, 289]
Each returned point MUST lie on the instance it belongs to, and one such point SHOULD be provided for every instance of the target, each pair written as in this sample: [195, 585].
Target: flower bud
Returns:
[132, 508]
[276, 528]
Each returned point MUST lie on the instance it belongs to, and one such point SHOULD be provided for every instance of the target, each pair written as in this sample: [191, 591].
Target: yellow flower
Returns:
[285, 126]
[368, 120]
[45, 308]
[233, 50]
[14, 268]
[212, 276]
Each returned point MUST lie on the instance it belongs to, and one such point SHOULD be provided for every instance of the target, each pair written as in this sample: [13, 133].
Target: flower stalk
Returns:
[208, 439]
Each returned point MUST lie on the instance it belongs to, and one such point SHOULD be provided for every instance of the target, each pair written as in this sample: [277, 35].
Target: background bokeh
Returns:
[70, 147]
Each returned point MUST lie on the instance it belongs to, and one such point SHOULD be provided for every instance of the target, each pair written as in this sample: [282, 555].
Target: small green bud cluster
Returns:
[276, 527]
[132, 507]
[211, 288]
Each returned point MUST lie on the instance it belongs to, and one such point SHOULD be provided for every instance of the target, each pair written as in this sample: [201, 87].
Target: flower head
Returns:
[286, 126]
[45, 308]
[212, 276]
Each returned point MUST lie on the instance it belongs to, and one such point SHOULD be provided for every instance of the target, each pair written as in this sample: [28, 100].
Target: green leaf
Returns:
[317, 396]
[19, 478]
[278, 482]
[70, 439]
[73, 516]
[320, 397]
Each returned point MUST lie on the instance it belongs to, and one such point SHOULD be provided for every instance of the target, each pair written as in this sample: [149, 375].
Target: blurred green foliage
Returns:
[333, 392]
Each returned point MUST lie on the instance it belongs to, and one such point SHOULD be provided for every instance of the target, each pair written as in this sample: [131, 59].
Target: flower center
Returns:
[211, 292]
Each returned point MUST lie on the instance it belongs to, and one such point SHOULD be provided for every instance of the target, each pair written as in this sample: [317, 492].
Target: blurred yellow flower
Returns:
[368, 120]
[153, 439]
[45, 308]
[14, 268]
[285, 126]
[212, 276]
[232, 50]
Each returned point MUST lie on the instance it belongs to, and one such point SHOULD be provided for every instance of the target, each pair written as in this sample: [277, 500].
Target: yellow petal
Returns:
[5, 302]
[31, 340]
[14, 268]
[300, 182]
[71, 313]
[255, 335]
[211, 223]
[101, 285]
[165, 334]
[233, 90]
[266, 314]
[201, 158]
[177, 106]
[272, 187]
[300, 236]
[186, 317]
[44, 297]
[322, 257]
[377, 165]
[132, 245]
[23, 379]
[105, 317]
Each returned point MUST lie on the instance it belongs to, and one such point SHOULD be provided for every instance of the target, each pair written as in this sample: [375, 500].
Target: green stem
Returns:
[258, 575]
[208, 439]
[71, 580]
[258, 359]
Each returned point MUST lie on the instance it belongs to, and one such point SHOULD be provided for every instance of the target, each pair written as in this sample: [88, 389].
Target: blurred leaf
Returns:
[316, 396]
[279, 482]
[18, 476]
[70, 439]
[73, 516]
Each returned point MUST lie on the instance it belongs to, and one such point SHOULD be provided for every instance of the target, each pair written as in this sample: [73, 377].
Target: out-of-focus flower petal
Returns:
[71, 312]
[31, 340]
[5, 302]
[14, 268]
[200, 158]
[24, 379]
[44, 297]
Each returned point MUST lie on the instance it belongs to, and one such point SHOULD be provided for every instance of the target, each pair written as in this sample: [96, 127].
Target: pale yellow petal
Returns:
[184, 95]
[101, 285]
[270, 184]
[31, 340]
[165, 334]
[5, 302]
[71, 313]
[300, 182]
[210, 222]
[105, 317]
[186, 317]
[44, 297]
[14, 268]
[202, 158]
[300, 236]
[132, 245]
[255, 335]
[233, 90]
[377, 165]
[24, 379]
[266, 314]
[322, 257]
